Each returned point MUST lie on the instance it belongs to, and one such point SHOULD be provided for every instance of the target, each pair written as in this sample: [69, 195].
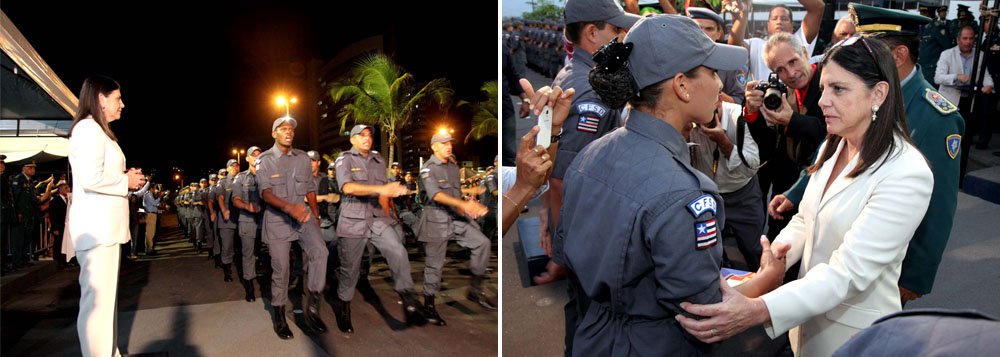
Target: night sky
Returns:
[199, 78]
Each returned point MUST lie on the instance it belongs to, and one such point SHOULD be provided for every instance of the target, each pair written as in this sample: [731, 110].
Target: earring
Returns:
[874, 112]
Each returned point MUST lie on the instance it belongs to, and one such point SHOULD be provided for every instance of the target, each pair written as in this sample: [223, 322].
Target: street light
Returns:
[281, 100]
[238, 154]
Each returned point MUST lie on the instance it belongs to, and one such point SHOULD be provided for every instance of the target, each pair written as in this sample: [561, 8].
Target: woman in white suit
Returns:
[869, 191]
[98, 217]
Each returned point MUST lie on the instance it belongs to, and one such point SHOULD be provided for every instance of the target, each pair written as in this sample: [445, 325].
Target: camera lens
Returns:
[772, 99]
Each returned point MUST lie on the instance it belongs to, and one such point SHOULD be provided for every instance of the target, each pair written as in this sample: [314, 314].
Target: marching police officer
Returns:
[936, 129]
[246, 199]
[226, 217]
[285, 185]
[362, 179]
[211, 223]
[448, 217]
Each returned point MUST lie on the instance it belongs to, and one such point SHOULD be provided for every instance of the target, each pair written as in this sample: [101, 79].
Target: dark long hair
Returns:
[891, 121]
[90, 103]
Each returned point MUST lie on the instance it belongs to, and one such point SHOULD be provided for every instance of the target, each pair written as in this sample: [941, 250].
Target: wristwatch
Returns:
[555, 138]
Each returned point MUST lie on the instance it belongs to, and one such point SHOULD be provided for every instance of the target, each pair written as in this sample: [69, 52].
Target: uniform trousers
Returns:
[311, 240]
[97, 324]
[386, 239]
[226, 241]
[745, 220]
[248, 238]
[466, 235]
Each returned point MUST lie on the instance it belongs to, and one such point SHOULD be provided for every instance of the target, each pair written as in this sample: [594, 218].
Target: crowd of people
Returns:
[678, 136]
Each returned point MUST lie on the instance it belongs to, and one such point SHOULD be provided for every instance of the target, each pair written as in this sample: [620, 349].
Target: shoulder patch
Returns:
[939, 102]
[953, 143]
[590, 114]
[706, 234]
[591, 107]
[701, 205]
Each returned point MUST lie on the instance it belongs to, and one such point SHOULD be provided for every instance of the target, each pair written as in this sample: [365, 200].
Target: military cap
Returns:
[357, 129]
[282, 120]
[222, 172]
[313, 155]
[32, 164]
[253, 148]
[204, 180]
[703, 13]
[394, 164]
[332, 165]
[195, 183]
[873, 21]
[3, 157]
[212, 176]
[598, 10]
[441, 137]
[230, 162]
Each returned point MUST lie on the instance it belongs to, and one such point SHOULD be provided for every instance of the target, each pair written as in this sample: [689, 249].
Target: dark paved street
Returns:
[177, 304]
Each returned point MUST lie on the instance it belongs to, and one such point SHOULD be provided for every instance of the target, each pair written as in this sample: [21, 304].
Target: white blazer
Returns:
[949, 66]
[99, 213]
[851, 243]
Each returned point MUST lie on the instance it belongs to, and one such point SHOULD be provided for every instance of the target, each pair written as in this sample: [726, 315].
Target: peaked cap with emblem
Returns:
[873, 21]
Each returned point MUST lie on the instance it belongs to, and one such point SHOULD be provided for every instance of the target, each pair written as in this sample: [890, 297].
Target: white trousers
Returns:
[97, 324]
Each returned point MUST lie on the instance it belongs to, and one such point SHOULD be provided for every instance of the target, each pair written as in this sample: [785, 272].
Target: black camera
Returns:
[773, 90]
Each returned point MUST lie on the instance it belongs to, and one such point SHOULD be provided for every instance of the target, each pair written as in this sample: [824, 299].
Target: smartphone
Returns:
[545, 127]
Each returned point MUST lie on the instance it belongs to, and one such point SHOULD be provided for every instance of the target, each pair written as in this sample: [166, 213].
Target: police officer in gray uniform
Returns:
[447, 217]
[246, 199]
[639, 225]
[361, 173]
[226, 217]
[285, 184]
[211, 223]
[199, 213]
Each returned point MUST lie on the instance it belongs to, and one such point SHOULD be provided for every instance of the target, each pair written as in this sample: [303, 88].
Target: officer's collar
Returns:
[372, 155]
[291, 151]
[584, 57]
[435, 160]
[657, 130]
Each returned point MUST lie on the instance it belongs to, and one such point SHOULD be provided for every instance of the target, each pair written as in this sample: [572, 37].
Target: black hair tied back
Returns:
[610, 78]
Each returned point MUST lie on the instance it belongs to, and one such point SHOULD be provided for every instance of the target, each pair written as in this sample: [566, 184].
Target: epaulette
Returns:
[939, 102]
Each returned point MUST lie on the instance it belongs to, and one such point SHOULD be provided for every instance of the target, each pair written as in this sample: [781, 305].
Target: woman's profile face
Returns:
[705, 94]
[846, 101]
[112, 105]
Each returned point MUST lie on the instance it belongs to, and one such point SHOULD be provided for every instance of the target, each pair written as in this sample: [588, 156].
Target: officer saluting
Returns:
[361, 175]
[285, 182]
[447, 217]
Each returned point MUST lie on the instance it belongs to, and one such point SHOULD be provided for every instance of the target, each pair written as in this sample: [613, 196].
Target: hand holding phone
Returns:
[545, 127]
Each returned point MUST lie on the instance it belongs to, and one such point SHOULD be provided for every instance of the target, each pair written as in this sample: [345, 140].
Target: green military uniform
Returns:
[26, 211]
[935, 37]
[936, 129]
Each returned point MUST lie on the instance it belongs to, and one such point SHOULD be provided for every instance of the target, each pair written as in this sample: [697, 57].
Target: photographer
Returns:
[790, 132]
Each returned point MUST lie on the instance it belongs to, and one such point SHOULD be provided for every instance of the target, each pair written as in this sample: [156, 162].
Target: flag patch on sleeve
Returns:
[706, 234]
[590, 116]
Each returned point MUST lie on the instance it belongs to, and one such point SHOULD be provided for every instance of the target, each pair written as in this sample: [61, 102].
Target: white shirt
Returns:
[758, 67]
[730, 174]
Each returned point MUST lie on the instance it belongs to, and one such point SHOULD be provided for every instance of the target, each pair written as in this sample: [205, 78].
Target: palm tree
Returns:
[484, 114]
[380, 93]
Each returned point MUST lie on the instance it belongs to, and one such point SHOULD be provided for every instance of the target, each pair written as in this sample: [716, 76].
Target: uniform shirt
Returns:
[25, 197]
[289, 177]
[358, 213]
[439, 177]
[225, 189]
[245, 187]
[327, 186]
[588, 117]
[728, 172]
[640, 228]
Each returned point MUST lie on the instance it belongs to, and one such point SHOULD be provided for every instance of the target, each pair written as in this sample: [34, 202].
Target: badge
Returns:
[702, 204]
[706, 234]
[939, 102]
[355, 169]
[954, 144]
[590, 116]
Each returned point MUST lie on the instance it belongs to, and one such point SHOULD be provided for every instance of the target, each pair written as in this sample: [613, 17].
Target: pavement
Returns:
[176, 304]
[533, 323]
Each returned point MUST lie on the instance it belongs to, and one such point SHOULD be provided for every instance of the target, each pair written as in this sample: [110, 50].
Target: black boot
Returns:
[412, 309]
[344, 316]
[432, 313]
[312, 318]
[227, 271]
[280, 325]
[476, 294]
[218, 260]
[248, 287]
